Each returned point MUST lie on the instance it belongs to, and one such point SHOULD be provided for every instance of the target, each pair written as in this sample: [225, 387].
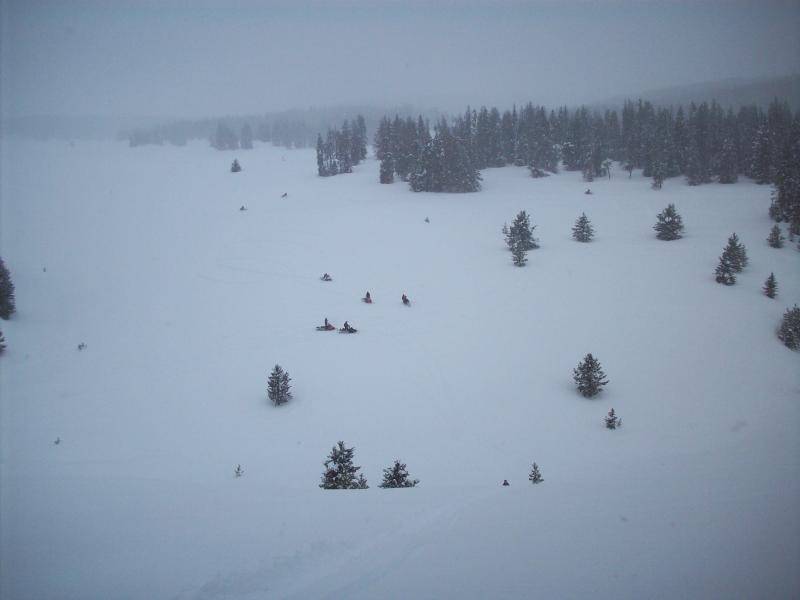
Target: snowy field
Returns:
[186, 303]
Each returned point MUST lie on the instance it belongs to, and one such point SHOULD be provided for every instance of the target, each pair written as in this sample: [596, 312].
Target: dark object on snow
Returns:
[326, 277]
[367, 299]
[535, 475]
[235, 166]
[44, 269]
[775, 239]
[347, 328]
[582, 231]
[669, 225]
[611, 420]
[7, 306]
[589, 376]
[242, 207]
[427, 220]
[2, 343]
[57, 441]
[284, 195]
[588, 191]
[81, 346]
[406, 301]
[326, 327]
[505, 483]
[238, 472]
[789, 330]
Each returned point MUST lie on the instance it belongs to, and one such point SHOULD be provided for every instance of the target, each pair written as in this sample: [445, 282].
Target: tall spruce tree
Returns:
[278, 386]
[340, 473]
[7, 301]
[735, 253]
[775, 238]
[589, 376]
[397, 476]
[789, 330]
[582, 231]
[669, 225]
[521, 231]
[770, 286]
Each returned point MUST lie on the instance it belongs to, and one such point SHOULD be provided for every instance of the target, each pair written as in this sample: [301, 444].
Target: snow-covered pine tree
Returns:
[235, 166]
[7, 302]
[770, 286]
[2, 343]
[728, 162]
[789, 330]
[659, 174]
[340, 472]
[387, 168]
[397, 476]
[518, 253]
[582, 231]
[278, 387]
[669, 225]
[775, 238]
[611, 420]
[589, 376]
[521, 230]
[321, 170]
[535, 476]
[724, 273]
[736, 253]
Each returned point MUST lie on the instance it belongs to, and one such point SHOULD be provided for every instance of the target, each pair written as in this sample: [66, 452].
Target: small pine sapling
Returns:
[235, 166]
[238, 471]
[611, 420]
[589, 376]
[535, 476]
[770, 286]
[669, 225]
[736, 253]
[724, 273]
[278, 387]
[789, 330]
[775, 238]
[397, 476]
[582, 231]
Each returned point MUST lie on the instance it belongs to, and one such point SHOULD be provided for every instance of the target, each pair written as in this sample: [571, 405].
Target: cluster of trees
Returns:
[439, 163]
[342, 148]
[341, 473]
[7, 302]
[789, 330]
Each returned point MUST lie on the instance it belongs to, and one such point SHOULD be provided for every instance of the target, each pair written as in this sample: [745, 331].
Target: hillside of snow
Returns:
[185, 303]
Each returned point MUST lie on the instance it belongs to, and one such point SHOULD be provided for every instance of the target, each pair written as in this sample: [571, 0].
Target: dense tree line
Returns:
[342, 148]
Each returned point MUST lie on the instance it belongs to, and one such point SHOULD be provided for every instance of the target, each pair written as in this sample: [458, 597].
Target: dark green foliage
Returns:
[340, 473]
[669, 225]
[519, 238]
[397, 476]
[278, 386]
[2, 343]
[342, 148]
[789, 330]
[7, 301]
[235, 166]
[735, 254]
[611, 420]
[589, 376]
[770, 286]
[582, 231]
[519, 255]
[724, 273]
[387, 169]
[775, 238]
[445, 165]
[535, 476]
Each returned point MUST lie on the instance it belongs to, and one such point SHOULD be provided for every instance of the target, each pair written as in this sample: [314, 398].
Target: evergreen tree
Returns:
[582, 231]
[397, 476]
[775, 238]
[789, 330]
[669, 225]
[659, 174]
[7, 303]
[278, 386]
[235, 166]
[2, 343]
[728, 162]
[724, 273]
[535, 476]
[518, 253]
[611, 420]
[387, 169]
[735, 254]
[521, 231]
[761, 168]
[770, 286]
[589, 376]
[321, 170]
[340, 473]
[224, 138]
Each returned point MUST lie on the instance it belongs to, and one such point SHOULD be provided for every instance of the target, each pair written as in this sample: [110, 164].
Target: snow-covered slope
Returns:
[186, 303]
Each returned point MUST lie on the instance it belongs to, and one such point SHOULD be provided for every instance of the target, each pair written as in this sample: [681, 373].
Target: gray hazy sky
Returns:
[198, 58]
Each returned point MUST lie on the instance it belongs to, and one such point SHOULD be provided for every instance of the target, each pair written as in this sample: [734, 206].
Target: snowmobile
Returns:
[326, 277]
[367, 299]
[348, 328]
[326, 327]
[406, 301]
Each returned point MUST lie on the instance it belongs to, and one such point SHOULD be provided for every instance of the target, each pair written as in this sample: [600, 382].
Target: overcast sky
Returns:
[199, 58]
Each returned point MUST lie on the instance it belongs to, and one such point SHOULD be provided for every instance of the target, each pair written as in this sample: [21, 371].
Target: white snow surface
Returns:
[186, 303]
